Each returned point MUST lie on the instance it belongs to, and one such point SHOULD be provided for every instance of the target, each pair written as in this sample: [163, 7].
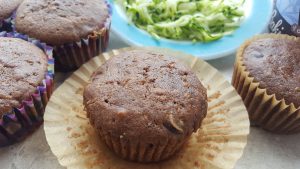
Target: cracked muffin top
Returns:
[275, 64]
[22, 68]
[58, 22]
[7, 7]
[146, 96]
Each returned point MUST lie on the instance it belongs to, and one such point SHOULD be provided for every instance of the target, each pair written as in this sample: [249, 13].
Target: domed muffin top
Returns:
[22, 68]
[61, 21]
[7, 7]
[275, 64]
[145, 95]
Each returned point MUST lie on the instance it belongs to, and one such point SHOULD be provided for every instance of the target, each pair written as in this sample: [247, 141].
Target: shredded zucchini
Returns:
[196, 20]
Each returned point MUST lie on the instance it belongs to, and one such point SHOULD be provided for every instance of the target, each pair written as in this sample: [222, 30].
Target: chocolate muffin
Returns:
[77, 29]
[275, 63]
[7, 7]
[23, 70]
[23, 67]
[145, 105]
[272, 63]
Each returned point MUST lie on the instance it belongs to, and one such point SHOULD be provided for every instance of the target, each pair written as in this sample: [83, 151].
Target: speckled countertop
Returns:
[264, 150]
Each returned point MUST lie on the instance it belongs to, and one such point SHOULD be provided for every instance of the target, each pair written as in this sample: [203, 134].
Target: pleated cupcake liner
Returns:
[264, 109]
[22, 121]
[8, 23]
[140, 151]
[71, 56]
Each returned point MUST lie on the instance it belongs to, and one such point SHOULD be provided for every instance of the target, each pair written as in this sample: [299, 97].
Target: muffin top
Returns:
[61, 21]
[22, 67]
[145, 95]
[275, 64]
[7, 7]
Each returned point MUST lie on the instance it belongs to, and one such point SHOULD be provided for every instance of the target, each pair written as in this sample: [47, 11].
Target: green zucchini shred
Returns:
[195, 20]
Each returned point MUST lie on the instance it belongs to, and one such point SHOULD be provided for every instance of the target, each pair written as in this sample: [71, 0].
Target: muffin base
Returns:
[140, 151]
[71, 56]
[264, 109]
[23, 120]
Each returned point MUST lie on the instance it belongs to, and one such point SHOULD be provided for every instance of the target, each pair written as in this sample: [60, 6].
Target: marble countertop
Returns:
[264, 150]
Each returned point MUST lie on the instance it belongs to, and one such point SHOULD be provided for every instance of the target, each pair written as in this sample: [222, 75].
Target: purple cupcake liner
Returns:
[71, 56]
[21, 121]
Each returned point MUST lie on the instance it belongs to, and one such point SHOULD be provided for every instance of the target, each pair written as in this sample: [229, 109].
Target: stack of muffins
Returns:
[31, 32]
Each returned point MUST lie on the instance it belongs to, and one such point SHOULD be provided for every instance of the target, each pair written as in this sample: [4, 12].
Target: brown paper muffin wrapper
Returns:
[21, 121]
[218, 144]
[134, 150]
[71, 56]
[264, 109]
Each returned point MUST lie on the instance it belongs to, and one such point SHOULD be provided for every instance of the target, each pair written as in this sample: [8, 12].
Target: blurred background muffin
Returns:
[145, 105]
[78, 29]
[25, 86]
[267, 77]
[7, 9]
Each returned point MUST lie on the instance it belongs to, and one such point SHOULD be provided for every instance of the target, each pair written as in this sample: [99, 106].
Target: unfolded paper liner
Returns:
[218, 144]
[264, 109]
[71, 56]
[23, 120]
